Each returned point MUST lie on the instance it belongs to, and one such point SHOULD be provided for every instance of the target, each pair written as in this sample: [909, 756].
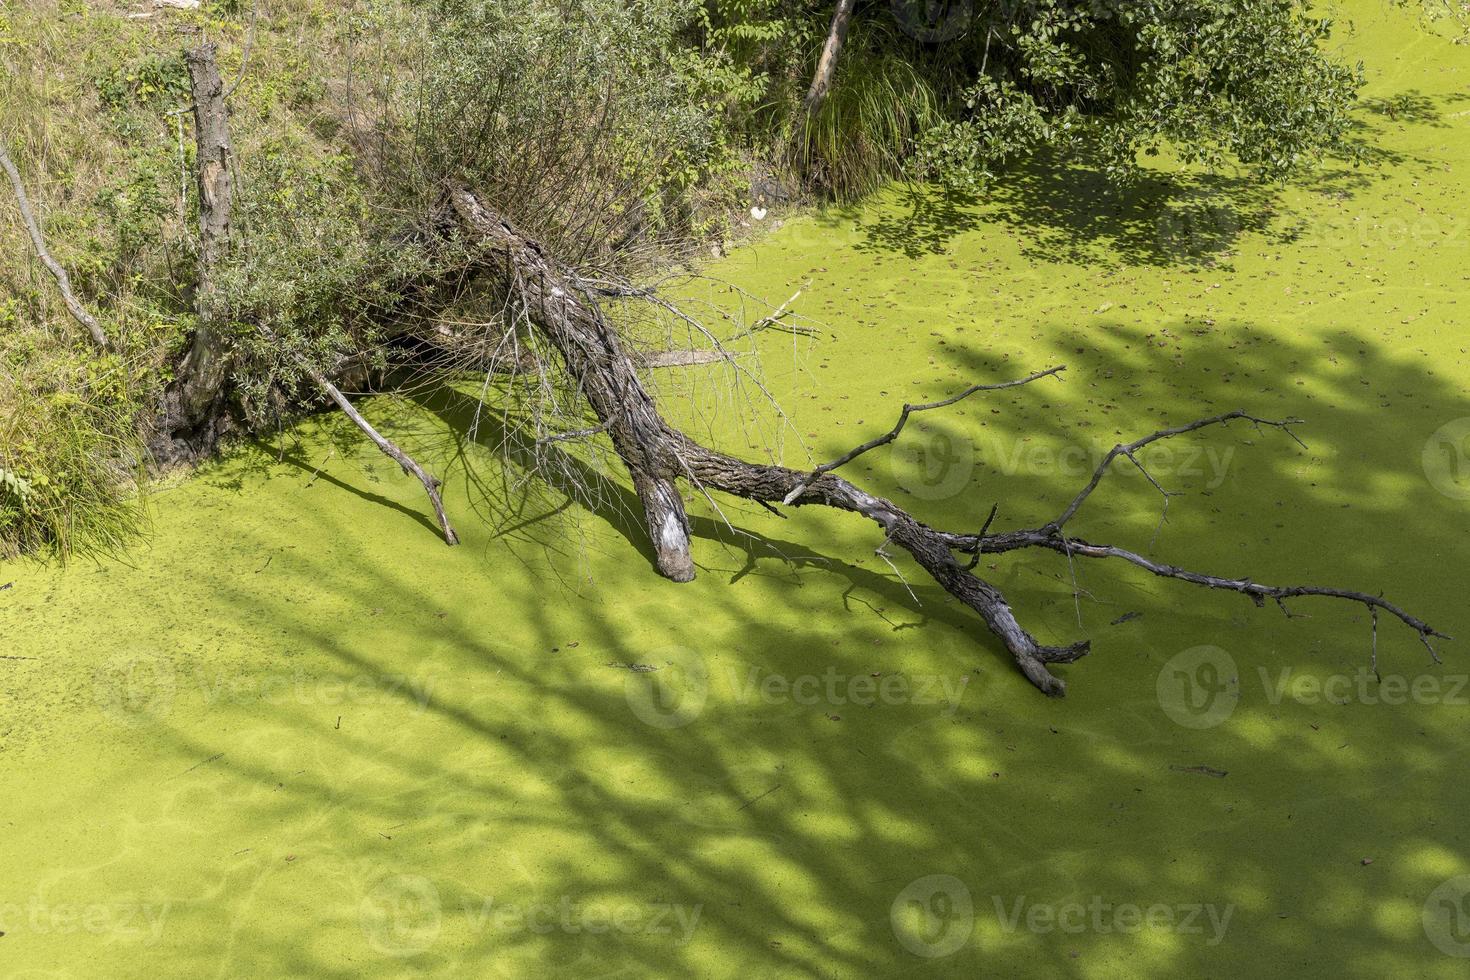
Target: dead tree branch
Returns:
[191, 416]
[565, 312]
[63, 281]
[827, 63]
[903, 418]
[431, 483]
[1133, 447]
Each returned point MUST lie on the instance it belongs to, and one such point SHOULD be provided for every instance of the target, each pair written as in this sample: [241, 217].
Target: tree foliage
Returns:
[1219, 81]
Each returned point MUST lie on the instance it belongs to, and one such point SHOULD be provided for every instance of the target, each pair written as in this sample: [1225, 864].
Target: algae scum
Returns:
[295, 735]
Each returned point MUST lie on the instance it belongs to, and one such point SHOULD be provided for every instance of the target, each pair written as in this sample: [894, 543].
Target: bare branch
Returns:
[775, 314]
[63, 281]
[1258, 593]
[431, 484]
[1133, 447]
[903, 419]
[827, 64]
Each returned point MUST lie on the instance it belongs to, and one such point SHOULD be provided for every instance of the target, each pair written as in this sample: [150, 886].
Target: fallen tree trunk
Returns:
[565, 310]
[606, 376]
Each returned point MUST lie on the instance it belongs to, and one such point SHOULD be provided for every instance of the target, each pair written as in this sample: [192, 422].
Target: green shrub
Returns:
[588, 123]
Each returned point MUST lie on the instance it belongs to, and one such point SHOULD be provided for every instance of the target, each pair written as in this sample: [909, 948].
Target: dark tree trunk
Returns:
[193, 414]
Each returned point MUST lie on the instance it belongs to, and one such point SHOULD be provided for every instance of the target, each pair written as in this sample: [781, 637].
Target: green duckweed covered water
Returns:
[294, 735]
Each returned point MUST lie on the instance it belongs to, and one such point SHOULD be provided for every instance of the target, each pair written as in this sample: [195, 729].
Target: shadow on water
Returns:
[535, 777]
[1065, 208]
[582, 735]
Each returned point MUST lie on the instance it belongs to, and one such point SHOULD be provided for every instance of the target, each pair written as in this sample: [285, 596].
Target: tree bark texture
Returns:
[564, 309]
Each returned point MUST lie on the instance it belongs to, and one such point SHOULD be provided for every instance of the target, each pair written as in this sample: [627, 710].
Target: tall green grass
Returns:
[883, 97]
[70, 455]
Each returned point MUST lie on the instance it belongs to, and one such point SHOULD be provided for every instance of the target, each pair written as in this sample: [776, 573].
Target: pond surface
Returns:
[293, 734]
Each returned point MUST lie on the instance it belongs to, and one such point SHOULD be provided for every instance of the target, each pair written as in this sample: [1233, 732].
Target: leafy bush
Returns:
[590, 123]
[1216, 80]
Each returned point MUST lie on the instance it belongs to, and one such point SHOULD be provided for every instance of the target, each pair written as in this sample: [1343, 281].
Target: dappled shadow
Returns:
[539, 771]
[361, 747]
[1066, 209]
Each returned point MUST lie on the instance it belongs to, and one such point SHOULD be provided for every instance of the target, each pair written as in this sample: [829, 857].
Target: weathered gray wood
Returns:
[564, 310]
[431, 483]
[38, 241]
[827, 63]
[191, 417]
